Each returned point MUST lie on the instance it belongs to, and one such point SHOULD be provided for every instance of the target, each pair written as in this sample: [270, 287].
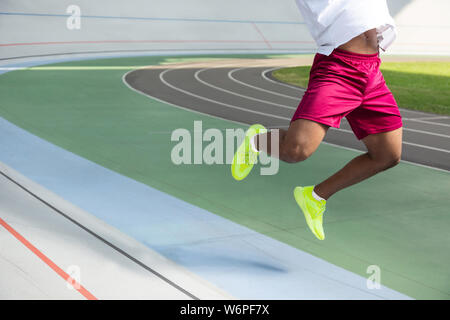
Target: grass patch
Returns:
[422, 86]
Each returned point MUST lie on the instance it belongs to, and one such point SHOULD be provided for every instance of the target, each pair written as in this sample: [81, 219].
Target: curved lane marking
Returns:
[230, 76]
[196, 75]
[161, 77]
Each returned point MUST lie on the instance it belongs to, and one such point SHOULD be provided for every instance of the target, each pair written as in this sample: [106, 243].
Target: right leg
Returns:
[297, 143]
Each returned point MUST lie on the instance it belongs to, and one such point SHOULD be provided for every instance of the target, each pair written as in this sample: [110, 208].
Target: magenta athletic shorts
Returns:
[347, 84]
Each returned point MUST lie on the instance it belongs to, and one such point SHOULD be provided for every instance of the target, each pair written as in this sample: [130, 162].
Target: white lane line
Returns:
[161, 77]
[427, 147]
[433, 118]
[196, 75]
[230, 76]
[426, 132]
[428, 122]
[416, 130]
[425, 118]
[404, 142]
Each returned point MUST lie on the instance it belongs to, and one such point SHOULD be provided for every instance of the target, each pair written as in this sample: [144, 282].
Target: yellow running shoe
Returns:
[245, 157]
[312, 209]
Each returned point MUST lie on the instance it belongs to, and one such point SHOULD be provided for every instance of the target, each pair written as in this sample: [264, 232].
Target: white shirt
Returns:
[335, 22]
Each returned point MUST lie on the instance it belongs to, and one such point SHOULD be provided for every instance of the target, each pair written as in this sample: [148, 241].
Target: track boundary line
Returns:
[428, 122]
[196, 75]
[161, 77]
[230, 75]
[427, 132]
[404, 142]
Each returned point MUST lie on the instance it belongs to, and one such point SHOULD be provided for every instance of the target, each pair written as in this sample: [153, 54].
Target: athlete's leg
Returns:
[297, 143]
[384, 152]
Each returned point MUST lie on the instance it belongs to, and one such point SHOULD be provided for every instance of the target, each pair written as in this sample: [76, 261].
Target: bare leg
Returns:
[384, 152]
[297, 143]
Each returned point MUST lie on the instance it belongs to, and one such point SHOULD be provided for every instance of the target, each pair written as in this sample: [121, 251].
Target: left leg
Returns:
[384, 152]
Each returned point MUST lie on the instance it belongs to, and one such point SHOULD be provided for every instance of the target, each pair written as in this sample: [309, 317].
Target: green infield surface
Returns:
[398, 220]
[422, 86]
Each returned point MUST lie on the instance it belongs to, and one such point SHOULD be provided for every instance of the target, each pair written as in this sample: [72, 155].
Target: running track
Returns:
[251, 95]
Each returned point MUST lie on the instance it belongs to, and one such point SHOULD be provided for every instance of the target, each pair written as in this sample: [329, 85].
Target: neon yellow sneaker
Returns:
[312, 209]
[245, 157]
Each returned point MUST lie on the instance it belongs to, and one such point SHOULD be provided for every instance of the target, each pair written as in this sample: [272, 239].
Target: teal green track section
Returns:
[399, 220]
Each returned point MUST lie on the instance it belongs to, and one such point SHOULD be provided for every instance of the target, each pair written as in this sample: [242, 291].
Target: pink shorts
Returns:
[347, 84]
